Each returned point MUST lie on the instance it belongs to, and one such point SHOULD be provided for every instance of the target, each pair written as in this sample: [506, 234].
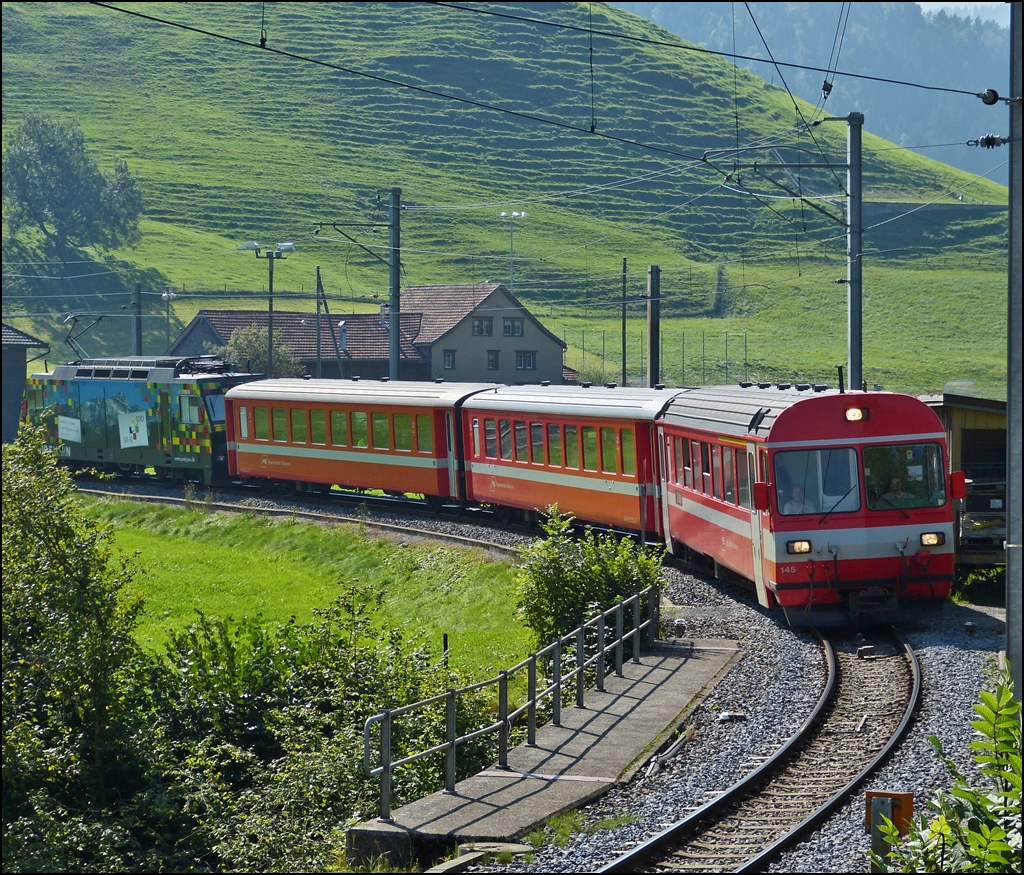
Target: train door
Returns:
[664, 461]
[760, 521]
[453, 468]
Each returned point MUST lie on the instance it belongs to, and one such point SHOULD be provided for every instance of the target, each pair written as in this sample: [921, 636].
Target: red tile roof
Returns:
[443, 307]
[14, 337]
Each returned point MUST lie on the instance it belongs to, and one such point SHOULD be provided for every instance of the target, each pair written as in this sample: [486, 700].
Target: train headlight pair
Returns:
[795, 547]
[933, 539]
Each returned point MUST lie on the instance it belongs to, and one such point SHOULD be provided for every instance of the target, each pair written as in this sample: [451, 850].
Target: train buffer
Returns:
[615, 735]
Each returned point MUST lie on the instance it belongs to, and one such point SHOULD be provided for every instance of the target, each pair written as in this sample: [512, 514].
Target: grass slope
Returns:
[234, 143]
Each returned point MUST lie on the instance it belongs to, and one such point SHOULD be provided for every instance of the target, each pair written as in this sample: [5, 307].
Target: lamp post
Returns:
[271, 255]
[168, 296]
[511, 217]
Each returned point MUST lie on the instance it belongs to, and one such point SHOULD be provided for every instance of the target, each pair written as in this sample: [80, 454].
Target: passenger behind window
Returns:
[798, 503]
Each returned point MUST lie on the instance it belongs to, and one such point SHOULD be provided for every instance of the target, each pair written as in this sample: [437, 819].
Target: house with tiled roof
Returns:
[16, 345]
[459, 333]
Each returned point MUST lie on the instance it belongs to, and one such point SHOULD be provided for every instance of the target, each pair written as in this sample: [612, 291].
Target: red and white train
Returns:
[836, 506]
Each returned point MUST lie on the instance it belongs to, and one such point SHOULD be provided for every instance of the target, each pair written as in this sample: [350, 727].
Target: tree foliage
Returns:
[247, 349]
[52, 182]
[564, 580]
[972, 829]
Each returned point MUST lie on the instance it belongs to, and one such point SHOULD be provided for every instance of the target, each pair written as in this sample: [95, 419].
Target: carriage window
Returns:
[705, 467]
[243, 423]
[425, 433]
[537, 443]
[554, 445]
[279, 422]
[339, 428]
[716, 471]
[677, 458]
[609, 462]
[522, 443]
[743, 478]
[403, 431]
[505, 437]
[817, 481]
[698, 479]
[687, 468]
[317, 427]
[491, 439]
[572, 447]
[728, 484]
[262, 423]
[360, 429]
[298, 425]
[589, 448]
[906, 475]
[381, 431]
[188, 408]
[628, 453]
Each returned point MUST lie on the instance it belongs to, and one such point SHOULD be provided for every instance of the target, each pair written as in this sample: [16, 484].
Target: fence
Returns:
[554, 651]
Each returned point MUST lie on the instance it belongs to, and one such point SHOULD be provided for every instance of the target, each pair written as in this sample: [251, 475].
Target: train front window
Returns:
[817, 481]
[215, 407]
[904, 475]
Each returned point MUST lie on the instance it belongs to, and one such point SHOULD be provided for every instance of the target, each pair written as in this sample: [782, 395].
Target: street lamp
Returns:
[511, 217]
[271, 255]
[168, 296]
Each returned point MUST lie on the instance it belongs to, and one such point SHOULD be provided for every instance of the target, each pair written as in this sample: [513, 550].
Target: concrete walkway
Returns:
[605, 742]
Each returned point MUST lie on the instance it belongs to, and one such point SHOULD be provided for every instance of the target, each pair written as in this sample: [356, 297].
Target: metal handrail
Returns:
[503, 725]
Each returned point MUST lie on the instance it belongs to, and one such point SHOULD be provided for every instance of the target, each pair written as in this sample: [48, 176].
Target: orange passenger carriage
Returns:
[792, 488]
[400, 438]
[590, 450]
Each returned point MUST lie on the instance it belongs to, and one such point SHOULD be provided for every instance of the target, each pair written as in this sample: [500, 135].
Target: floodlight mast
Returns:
[271, 255]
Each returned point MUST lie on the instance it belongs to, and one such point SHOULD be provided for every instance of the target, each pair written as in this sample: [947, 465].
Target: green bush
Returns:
[971, 829]
[564, 580]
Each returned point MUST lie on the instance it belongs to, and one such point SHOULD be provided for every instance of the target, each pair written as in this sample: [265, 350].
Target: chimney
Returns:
[342, 336]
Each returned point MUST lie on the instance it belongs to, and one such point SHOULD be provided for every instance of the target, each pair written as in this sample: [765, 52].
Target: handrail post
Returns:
[636, 629]
[581, 660]
[556, 670]
[450, 736]
[503, 719]
[531, 701]
[652, 614]
[385, 764]
[618, 639]
[600, 652]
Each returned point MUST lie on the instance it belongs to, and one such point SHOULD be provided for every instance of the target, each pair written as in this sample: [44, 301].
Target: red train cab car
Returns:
[836, 505]
[589, 450]
[398, 437]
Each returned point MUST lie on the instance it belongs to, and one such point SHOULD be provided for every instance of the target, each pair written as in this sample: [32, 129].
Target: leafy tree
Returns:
[972, 829]
[53, 183]
[247, 349]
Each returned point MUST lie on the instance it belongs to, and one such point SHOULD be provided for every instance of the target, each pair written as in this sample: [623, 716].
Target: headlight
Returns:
[933, 539]
[857, 414]
[798, 546]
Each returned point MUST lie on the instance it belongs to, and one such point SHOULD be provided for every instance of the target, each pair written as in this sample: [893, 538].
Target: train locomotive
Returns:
[835, 506]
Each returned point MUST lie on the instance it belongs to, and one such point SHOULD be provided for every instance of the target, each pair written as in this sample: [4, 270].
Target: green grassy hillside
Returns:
[235, 143]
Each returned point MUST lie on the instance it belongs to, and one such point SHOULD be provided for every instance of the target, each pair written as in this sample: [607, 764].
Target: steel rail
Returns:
[661, 844]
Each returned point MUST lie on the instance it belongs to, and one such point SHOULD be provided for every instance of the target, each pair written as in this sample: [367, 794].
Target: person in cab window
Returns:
[897, 494]
[799, 504]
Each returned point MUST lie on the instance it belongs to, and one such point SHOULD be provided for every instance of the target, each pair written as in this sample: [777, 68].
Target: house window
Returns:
[483, 327]
[492, 359]
[526, 361]
[513, 327]
[449, 359]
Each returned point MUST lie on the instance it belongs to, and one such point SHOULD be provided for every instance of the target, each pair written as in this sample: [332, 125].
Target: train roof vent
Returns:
[120, 374]
[820, 387]
[585, 384]
[306, 376]
[610, 385]
[802, 387]
[439, 379]
[784, 385]
[101, 372]
[659, 385]
[764, 385]
[139, 374]
[545, 382]
[746, 384]
[355, 379]
[384, 379]
[83, 372]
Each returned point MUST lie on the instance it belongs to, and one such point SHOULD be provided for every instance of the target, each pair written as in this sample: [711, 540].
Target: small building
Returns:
[976, 437]
[459, 333]
[15, 346]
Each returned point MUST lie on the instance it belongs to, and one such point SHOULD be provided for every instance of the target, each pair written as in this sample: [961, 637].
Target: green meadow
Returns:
[241, 565]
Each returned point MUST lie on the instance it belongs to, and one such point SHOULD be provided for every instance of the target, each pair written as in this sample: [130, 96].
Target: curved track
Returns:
[866, 707]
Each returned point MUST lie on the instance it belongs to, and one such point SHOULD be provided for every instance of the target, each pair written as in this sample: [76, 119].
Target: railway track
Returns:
[872, 691]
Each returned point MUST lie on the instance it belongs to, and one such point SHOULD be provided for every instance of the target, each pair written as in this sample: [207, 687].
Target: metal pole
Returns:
[1013, 371]
[450, 736]
[503, 720]
[855, 121]
[531, 701]
[137, 320]
[623, 321]
[319, 360]
[394, 267]
[653, 325]
[726, 358]
[511, 256]
[270, 314]
[556, 680]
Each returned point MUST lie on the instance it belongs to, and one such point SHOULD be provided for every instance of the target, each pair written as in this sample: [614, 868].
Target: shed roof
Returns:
[14, 337]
